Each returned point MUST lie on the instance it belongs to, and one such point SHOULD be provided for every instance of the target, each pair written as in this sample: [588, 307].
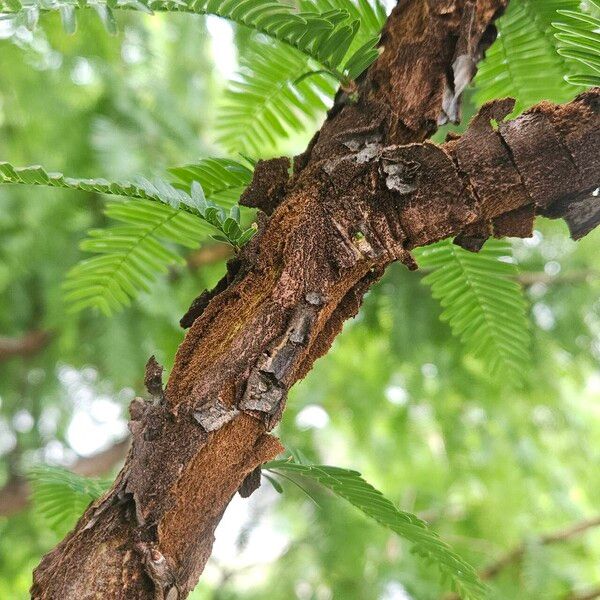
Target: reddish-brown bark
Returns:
[357, 201]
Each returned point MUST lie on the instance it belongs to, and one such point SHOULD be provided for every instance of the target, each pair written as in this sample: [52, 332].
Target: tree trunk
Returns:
[359, 198]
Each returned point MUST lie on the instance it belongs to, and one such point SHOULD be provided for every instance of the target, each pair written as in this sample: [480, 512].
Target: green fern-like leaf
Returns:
[223, 180]
[61, 497]
[579, 40]
[272, 97]
[133, 255]
[263, 104]
[325, 36]
[279, 91]
[523, 62]
[226, 226]
[350, 486]
[482, 302]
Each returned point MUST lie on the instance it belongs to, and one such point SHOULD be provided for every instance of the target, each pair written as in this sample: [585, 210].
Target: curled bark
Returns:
[363, 195]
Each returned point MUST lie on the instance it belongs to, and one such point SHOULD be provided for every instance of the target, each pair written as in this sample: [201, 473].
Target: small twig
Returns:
[207, 255]
[517, 553]
[584, 595]
[14, 496]
[577, 276]
[26, 345]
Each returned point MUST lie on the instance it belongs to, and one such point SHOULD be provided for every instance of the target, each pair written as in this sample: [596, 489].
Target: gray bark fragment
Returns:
[262, 393]
[214, 415]
[402, 177]
[314, 298]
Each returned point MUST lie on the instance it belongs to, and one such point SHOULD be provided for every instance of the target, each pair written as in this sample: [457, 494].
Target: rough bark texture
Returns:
[359, 199]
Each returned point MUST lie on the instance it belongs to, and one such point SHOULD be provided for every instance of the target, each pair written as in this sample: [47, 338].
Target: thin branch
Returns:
[208, 255]
[26, 345]
[516, 554]
[590, 594]
[203, 257]
[577, 276]
[14, 496]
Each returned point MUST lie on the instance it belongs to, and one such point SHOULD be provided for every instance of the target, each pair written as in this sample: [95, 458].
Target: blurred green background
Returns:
[491, 466]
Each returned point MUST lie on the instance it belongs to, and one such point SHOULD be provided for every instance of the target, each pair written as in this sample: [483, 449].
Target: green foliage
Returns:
[325, 36]
[223, 180]
[267, 102]
[523, 62]
[131, 256]
[444, 439]
[195, 202]
[283, 83]
[279, 91]
[142, 189]
[482, 302]
[350, 486]
[61, 496]
[579, 40]
[134, 254]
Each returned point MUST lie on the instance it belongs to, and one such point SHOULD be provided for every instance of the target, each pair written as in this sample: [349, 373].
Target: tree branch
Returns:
[207, 255]
[590, 594]
[574, 276]
[14, 496]
[361, 196]
[516, 554]
[26, 345]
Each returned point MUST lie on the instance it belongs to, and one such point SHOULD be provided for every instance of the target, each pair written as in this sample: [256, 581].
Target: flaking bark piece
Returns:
[262, 393]
[214, 415]
[583, 214]
[268, 185]
[487, 162]
[137, 408]
[251, 483]
[548, 172]
[516, 223]
[473, 237]
[471, 45]
[401, 176]
[153, 378]
[196, 308]
[439, 202]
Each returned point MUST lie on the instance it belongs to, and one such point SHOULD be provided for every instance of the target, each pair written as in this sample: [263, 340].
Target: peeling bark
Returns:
[365, 192]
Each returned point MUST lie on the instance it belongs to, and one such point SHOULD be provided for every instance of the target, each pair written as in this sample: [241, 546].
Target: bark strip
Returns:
[364, 193]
